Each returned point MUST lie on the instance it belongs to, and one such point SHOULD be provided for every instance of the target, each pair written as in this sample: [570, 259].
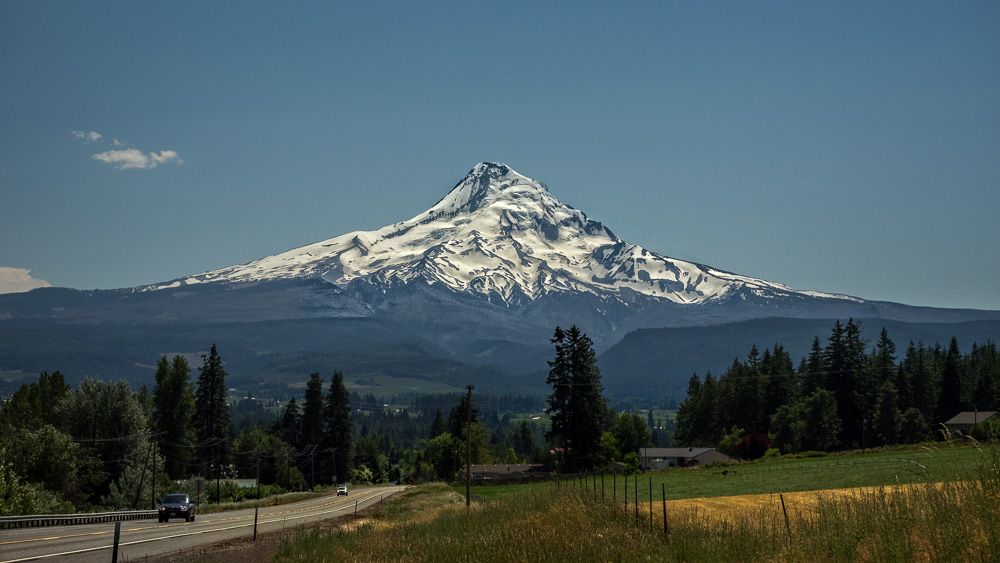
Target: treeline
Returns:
[105, 446]
[842, 395]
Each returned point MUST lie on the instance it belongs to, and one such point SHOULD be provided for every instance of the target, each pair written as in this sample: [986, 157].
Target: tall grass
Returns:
[950, 521]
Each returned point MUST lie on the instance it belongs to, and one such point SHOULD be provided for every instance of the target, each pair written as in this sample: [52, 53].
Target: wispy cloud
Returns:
[87, 137]
[19, 280]
[126, 158]
[134, 158]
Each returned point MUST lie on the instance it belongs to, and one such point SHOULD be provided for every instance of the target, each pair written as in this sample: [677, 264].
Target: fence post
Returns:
[650, 503]
[787, 526]
[666, 530]
[636, 500]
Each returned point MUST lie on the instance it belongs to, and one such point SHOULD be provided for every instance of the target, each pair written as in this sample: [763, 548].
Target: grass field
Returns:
[948, 512]
[931, 463]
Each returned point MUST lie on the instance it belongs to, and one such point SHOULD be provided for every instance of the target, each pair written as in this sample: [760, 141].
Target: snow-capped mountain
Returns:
[467, 292]
[502, 236]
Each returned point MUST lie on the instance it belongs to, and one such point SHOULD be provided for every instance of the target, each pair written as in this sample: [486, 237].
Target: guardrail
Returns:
[39, 520]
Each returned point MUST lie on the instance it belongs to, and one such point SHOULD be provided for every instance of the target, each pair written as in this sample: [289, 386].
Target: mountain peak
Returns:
[500, 235]
[482, 185]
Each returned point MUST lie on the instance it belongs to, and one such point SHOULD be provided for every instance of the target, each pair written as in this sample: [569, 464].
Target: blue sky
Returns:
[847, 147]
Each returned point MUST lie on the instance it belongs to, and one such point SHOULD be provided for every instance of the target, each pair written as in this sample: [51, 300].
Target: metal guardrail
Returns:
[39, 520]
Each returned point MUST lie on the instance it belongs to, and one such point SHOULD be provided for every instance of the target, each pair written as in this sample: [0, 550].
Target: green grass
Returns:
[959, 521]
[938, 462]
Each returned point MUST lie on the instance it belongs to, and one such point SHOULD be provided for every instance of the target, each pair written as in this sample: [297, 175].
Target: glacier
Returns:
[500, 235]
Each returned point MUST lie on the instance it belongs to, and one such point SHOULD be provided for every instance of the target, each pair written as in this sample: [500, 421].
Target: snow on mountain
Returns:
[503, 236]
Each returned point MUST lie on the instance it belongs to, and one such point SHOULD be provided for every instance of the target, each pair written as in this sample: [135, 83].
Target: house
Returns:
[507, 472]
[662, 458]
[963, 422]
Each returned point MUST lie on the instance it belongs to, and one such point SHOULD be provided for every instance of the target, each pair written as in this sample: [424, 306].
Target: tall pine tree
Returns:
[338, 426]
[212, 415]
[312, 412]
[577, 406]
[173, 404]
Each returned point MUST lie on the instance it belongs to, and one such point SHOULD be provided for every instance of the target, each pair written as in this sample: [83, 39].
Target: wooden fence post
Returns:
[785, 511]
[666, 530]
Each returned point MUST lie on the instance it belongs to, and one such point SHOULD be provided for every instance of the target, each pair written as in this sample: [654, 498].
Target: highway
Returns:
[94, 542]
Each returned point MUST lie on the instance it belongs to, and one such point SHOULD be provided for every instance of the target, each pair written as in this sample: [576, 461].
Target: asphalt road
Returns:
[139, 538]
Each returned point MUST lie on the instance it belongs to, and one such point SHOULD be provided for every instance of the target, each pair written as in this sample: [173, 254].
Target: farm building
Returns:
[662, 458]
[963, 422]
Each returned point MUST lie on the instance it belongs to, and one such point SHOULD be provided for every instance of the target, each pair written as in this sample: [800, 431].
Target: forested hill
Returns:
[658, 362]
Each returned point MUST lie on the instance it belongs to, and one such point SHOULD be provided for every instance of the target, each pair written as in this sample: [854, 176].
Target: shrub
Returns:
[752, 446]
[987, 430]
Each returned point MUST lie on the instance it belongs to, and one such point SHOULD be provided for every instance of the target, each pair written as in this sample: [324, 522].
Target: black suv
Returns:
[179, 506]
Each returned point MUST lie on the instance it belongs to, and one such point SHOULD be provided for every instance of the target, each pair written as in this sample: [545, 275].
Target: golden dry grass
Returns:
[719, 509]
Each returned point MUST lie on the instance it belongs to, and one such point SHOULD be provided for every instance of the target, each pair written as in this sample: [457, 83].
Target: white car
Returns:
[342, 490]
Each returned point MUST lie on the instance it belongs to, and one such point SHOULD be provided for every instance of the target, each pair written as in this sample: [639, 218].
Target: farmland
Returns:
[893, 513]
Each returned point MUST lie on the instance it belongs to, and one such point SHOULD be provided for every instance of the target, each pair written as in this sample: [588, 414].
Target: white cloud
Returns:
[87, 137]
[18, 280]
[134, 158]
[118, 143]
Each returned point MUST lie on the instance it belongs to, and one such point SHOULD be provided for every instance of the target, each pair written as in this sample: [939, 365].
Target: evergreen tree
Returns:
[884, 359]
[686, 429]
[458, 426]
[438, 426]
[212, 414]
[822, 425]
[577, 405]
[984, 364]
[458, 418]
[338, 425]
[524, 440]
[950, 397]
[913, 427]
[888, 419]
[777, 385]
[917, 370]
[291, 424]
[846, 376]
[312, 412]
[173, 404]
[812, 374]
[708, 427]
[34, 405]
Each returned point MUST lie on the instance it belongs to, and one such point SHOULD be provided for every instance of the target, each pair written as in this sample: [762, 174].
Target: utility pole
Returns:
[468, 453]
[153, 507]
